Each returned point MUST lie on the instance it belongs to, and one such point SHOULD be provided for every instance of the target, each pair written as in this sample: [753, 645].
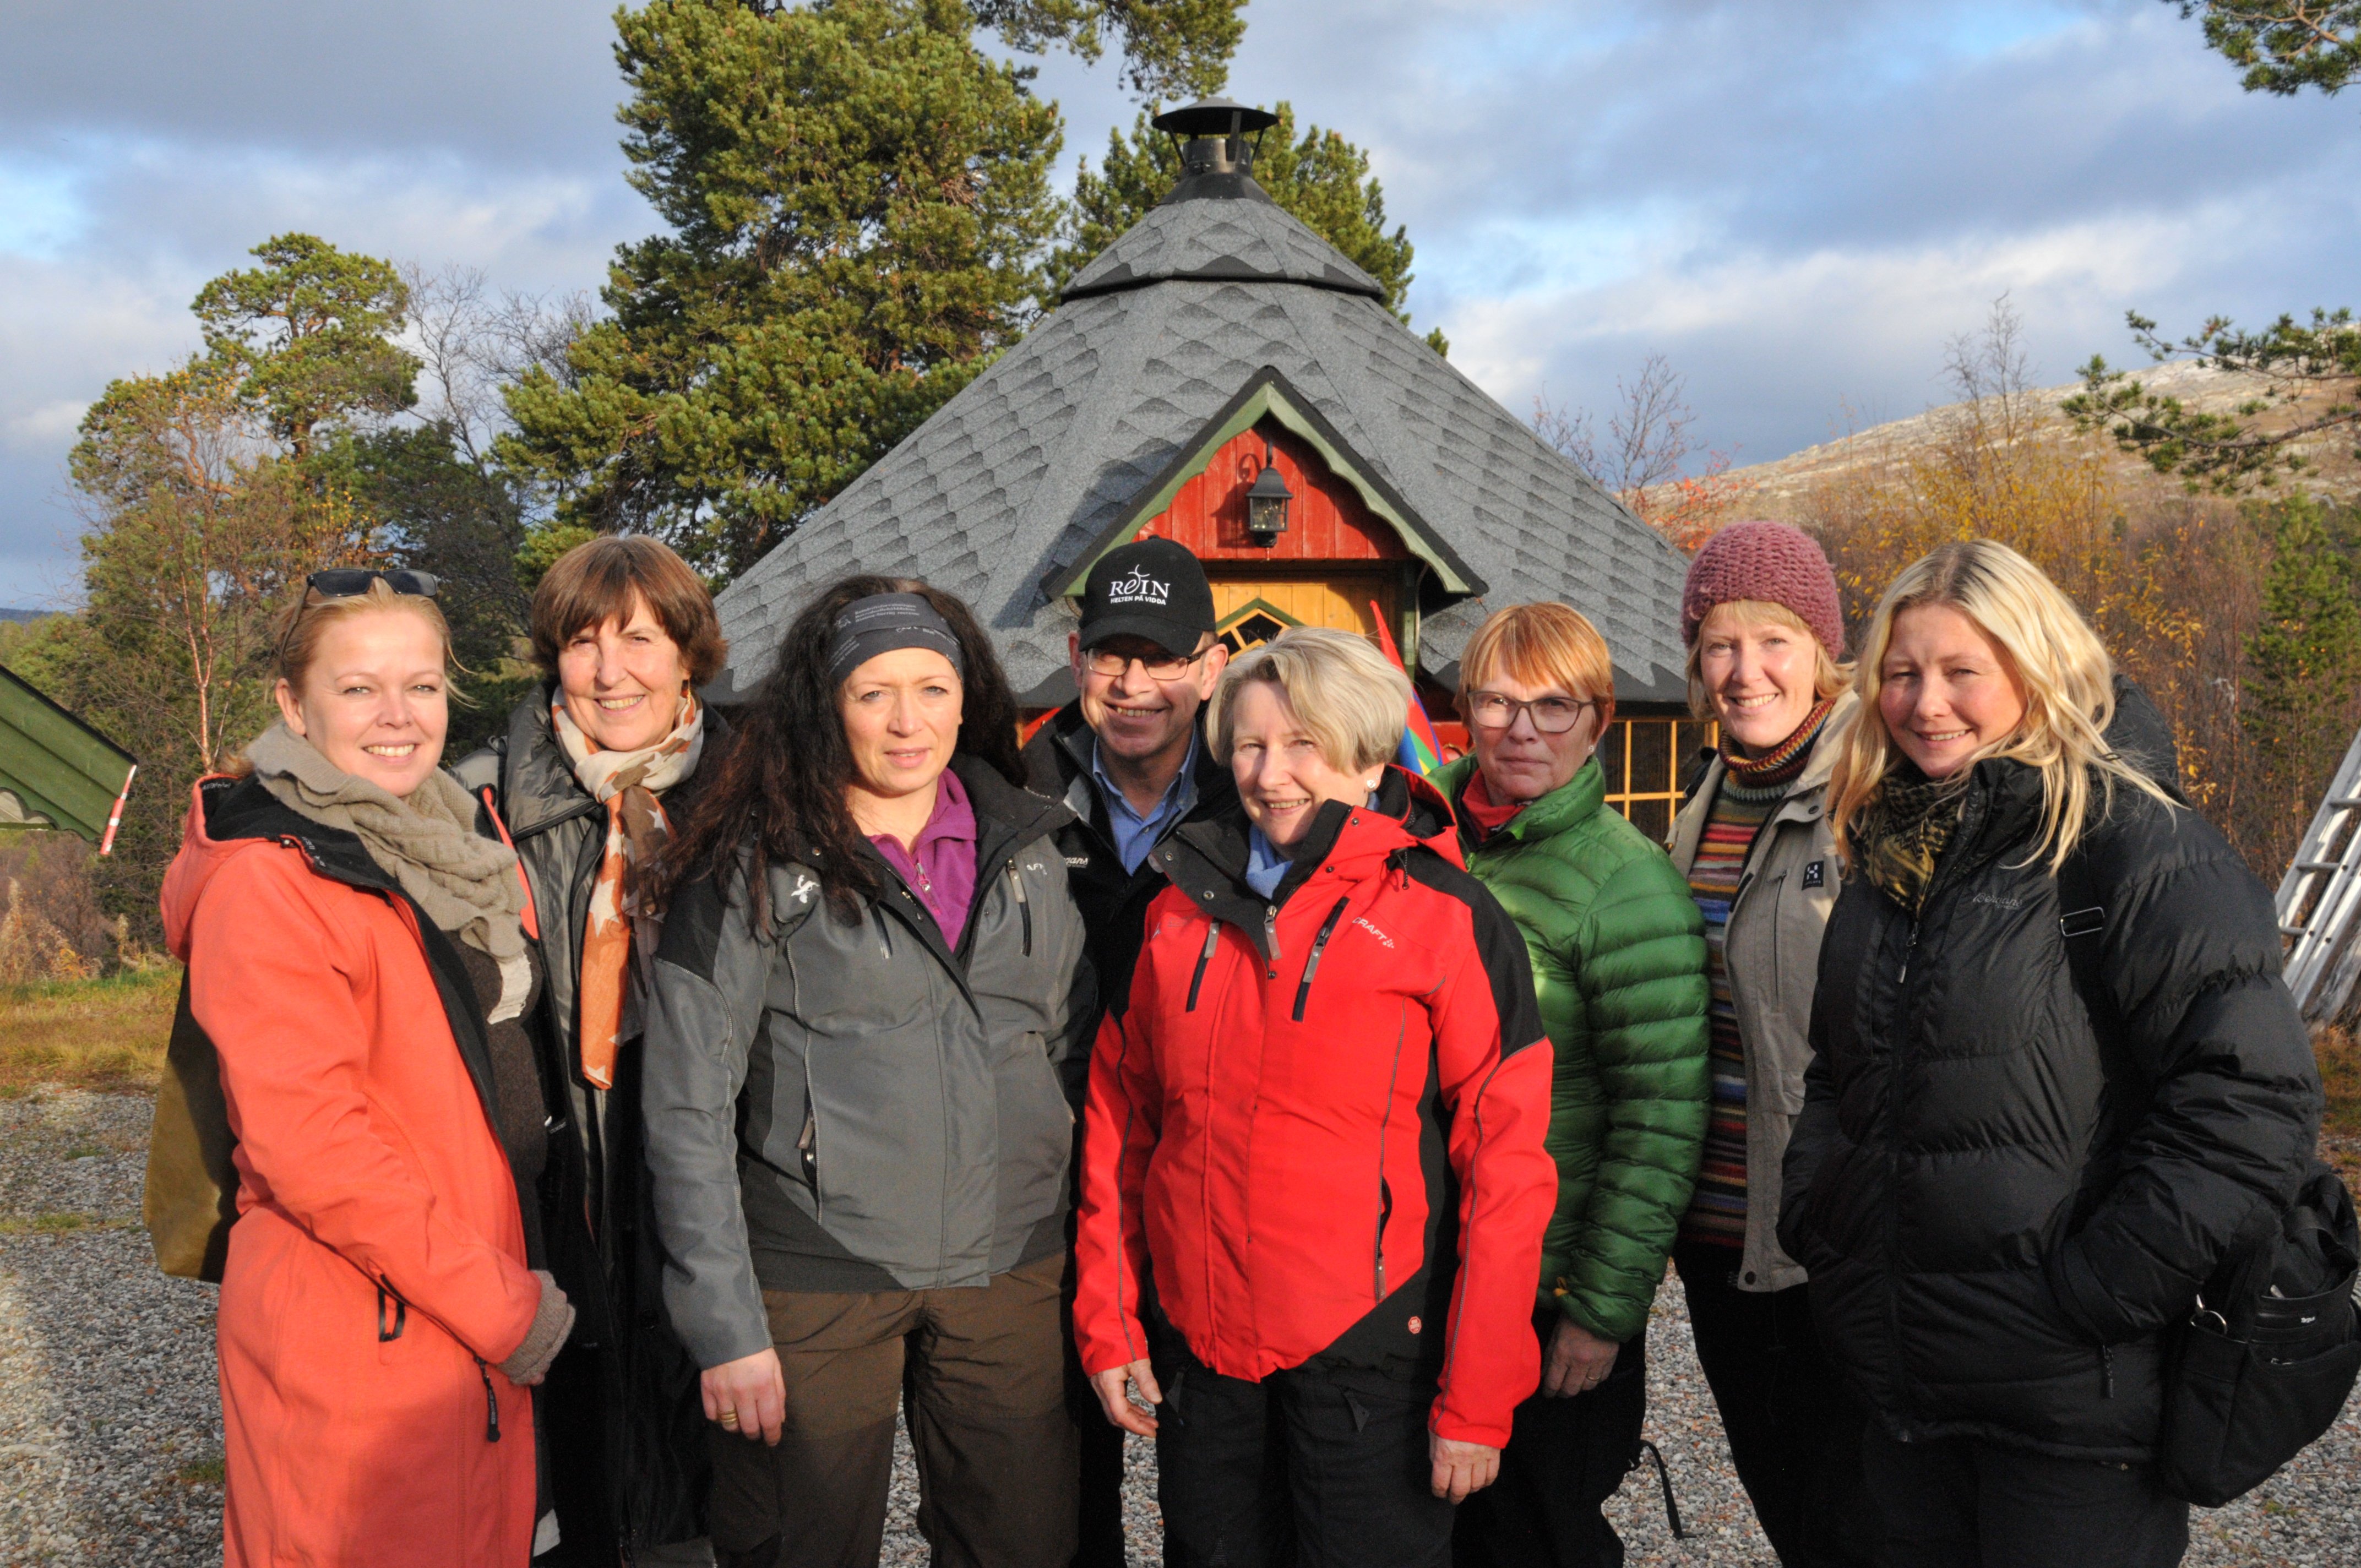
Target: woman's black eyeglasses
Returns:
[351, 582]
[1551, 715]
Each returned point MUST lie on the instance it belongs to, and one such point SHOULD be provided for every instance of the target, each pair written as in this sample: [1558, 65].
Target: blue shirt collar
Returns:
[1135, 835]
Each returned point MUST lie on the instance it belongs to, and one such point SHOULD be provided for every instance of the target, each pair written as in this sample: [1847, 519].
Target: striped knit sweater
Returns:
[1751, 791]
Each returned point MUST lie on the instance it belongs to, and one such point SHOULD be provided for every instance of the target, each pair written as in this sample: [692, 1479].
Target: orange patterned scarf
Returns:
[626, 783]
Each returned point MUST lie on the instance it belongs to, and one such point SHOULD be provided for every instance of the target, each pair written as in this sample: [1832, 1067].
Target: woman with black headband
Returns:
[858, 1081]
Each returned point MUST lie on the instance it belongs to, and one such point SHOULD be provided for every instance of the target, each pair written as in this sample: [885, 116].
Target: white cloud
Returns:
[1797, 202]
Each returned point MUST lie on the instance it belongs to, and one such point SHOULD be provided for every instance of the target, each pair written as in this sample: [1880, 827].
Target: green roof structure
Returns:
[56, 770]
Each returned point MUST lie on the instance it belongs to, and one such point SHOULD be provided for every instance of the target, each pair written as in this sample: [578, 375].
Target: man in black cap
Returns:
[1126, 757]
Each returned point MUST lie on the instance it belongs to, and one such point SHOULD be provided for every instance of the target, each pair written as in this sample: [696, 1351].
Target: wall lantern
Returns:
[1266, 502]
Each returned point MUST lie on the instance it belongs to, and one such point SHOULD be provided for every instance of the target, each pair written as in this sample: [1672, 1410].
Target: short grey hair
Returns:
[1348, 696]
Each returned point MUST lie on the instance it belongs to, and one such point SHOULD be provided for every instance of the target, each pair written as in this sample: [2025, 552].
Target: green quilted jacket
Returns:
[1620, 969]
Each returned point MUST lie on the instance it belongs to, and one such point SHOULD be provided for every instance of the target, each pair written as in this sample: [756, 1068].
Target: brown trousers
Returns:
[981, 1374]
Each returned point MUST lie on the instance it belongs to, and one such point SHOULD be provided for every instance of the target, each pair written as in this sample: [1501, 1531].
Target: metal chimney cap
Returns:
[1213, 117]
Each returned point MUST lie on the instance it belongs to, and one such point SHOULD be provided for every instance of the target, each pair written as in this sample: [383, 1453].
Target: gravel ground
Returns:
[110, 1432]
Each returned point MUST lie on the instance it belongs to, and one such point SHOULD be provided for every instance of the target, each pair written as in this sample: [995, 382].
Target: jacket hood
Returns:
[228, 816]
[2143, 739]
[1208, 856]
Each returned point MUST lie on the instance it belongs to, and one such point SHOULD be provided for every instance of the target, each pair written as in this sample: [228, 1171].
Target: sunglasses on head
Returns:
[351, 582]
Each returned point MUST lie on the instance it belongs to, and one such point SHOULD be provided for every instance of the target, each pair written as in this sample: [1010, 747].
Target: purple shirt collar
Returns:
[940, 867]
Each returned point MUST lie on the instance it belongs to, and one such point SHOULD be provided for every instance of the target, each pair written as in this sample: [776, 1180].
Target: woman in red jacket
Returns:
[1316, 1125]
[355, 956]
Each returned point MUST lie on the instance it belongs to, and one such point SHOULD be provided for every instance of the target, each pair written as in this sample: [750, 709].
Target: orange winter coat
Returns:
[376, 1276]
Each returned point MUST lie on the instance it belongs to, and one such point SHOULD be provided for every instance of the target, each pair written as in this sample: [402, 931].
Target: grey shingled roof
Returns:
[1037, 458]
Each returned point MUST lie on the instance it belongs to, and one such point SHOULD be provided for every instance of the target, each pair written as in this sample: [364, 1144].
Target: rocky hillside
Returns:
[1783, 488]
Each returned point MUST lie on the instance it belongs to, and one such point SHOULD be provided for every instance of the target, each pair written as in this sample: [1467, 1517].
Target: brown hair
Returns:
[300, 627]
[595, 583]
[1543, 644]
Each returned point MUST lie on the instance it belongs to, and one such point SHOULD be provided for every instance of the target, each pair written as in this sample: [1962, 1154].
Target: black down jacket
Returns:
[2001, 1199]
[620, 1414]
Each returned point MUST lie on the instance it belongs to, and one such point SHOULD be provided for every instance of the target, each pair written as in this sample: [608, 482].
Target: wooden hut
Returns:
[1224, 377]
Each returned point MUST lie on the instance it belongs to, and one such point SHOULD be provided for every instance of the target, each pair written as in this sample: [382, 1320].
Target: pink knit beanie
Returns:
[1774, 561]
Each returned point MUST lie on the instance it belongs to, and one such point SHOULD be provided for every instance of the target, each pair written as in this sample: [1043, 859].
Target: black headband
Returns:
[882, 622]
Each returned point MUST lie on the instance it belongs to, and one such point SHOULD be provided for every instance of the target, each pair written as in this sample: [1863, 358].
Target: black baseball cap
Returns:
[1152, 588]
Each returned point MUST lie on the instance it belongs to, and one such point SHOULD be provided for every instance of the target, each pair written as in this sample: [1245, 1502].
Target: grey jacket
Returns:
[1773, 951]
[855, 1108]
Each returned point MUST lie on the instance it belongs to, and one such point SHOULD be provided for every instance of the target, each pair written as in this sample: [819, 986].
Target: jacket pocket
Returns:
[1196, 980]
[808, 1148]
[1312, 960]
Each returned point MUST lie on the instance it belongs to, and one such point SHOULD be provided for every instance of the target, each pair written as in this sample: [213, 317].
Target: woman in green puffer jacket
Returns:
[1618, 961]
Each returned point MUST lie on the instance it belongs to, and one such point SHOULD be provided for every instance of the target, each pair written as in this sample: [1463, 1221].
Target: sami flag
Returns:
[1421, 751]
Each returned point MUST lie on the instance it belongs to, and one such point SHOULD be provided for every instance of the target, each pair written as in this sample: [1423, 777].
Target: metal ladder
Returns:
[2320, 899]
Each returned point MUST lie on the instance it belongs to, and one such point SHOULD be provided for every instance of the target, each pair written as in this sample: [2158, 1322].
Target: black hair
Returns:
[780, 792]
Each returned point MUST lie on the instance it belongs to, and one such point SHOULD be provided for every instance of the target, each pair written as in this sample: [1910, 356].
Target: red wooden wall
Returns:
[1326, 521]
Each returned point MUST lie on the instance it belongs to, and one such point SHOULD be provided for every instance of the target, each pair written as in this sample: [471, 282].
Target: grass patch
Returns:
[58, 1224]
[87, 1034]
[203, 1473]
[2339, 1053]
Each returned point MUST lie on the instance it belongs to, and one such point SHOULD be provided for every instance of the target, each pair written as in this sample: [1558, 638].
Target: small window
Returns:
[1645, 761]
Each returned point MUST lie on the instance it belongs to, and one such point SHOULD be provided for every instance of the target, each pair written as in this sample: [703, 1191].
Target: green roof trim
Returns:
[63, 772]
[1266, 394]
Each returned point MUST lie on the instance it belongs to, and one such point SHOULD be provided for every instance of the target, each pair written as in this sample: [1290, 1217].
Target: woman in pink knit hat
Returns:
[1765, 634]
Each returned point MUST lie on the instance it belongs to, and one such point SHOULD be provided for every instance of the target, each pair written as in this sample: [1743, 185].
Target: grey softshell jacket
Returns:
[855, 1108]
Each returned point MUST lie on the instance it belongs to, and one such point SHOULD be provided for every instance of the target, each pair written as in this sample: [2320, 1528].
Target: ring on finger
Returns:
[729, 1419]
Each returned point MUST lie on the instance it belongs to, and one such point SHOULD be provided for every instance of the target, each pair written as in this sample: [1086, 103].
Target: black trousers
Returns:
[1316, 1468]
[1098, 1520]
[1963, 1503]
[1795, 1431]
[1565, 1456]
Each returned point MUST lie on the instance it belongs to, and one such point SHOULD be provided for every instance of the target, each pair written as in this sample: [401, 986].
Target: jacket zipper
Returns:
[1212, 939]
[1024, 909]
[1270, 934]
[1962, 838]
[1385, 1188]
[491, 1403]
[1312, 964]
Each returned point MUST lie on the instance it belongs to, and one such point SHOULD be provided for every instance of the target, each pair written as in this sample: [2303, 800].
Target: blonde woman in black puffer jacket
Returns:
[2004, 1190]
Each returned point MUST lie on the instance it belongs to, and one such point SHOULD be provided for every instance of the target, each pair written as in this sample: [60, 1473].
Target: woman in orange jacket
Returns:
[355, 956]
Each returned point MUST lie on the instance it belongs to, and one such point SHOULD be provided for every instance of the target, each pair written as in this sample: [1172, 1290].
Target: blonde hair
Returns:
[1541, 644]
[1829, 676]
[302, 627]
[2064, 672]
[1349, 698]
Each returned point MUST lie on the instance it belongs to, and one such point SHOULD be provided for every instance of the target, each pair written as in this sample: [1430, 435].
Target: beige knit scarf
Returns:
[426, 842]
[628, 785]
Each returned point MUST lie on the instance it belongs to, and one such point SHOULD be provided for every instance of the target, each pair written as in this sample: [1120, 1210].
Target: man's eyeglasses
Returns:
[1162, 667]
[1551, 715]
[351, 582]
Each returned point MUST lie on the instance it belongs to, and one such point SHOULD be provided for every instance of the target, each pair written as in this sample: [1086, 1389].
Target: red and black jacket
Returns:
[1319, 1119]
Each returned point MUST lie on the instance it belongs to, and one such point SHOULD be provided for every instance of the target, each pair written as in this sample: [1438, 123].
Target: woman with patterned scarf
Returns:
[596, 769]
[2055, 1074]
[1764, 633]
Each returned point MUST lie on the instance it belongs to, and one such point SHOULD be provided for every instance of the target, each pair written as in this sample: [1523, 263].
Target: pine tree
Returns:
[2304, 660]
[856, 198]
[1322, 179]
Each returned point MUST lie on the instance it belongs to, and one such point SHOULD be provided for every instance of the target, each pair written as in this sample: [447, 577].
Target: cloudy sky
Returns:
[1797, 202]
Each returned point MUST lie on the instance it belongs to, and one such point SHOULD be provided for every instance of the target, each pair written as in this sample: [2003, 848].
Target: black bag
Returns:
[2265, 1361]
[2271, 1350]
